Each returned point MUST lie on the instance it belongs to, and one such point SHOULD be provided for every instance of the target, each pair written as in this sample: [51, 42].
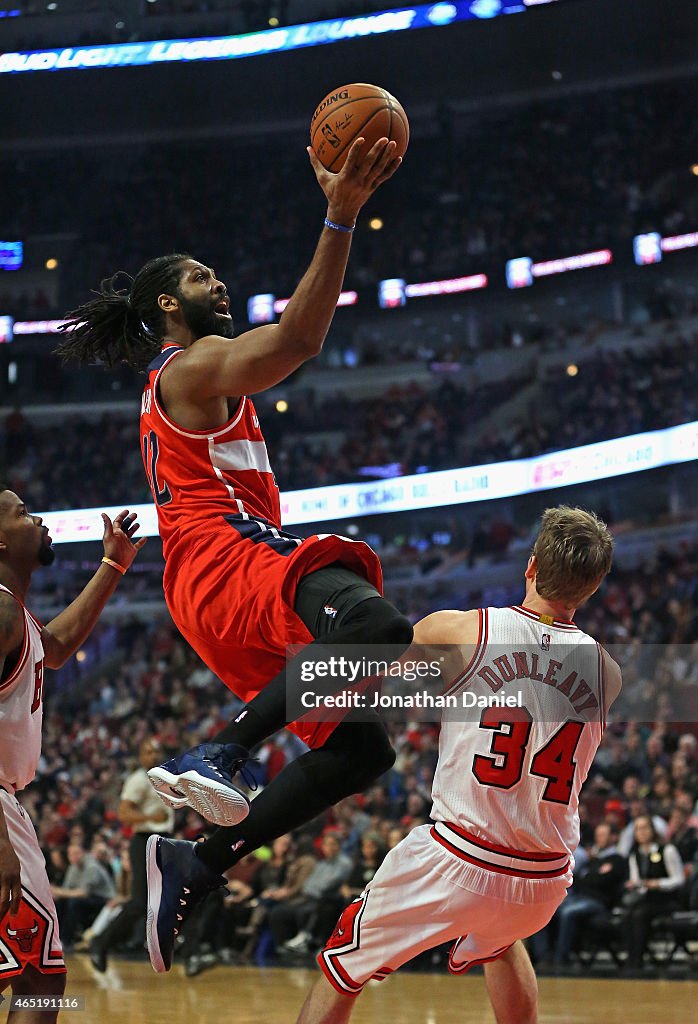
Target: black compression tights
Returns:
[371, 622]
[356, 753]
[354, 756]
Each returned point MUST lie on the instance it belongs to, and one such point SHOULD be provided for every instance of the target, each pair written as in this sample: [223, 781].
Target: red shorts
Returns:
[231, 596]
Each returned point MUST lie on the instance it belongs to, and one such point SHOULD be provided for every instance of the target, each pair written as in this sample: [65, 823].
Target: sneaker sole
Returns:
[164, 784]
[214, 801]
[154, 879]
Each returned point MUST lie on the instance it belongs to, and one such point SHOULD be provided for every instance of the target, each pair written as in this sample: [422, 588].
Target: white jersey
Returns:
[507, 783]
[21, 709]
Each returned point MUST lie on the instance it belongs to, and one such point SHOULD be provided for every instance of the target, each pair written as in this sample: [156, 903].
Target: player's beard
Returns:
[47, 555]
[204, 321]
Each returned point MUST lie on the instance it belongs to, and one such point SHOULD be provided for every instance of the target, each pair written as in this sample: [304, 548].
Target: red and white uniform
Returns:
[516, 779]
[31, 936]
[231, 571]
[498, 860]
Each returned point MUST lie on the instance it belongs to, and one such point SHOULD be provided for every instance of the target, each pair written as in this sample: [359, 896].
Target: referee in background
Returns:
[143, 811]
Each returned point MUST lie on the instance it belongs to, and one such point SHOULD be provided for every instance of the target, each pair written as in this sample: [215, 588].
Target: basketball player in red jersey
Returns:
[32, 958]
[239, 588]
[498, 860]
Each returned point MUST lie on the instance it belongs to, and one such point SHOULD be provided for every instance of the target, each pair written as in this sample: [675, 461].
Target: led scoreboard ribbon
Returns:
[601, 461]
[251, 44]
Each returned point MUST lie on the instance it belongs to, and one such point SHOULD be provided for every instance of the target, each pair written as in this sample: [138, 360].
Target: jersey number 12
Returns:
[150, 457]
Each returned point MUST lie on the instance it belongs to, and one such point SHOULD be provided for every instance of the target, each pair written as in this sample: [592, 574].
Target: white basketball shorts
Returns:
[31, 936]
[425, 894]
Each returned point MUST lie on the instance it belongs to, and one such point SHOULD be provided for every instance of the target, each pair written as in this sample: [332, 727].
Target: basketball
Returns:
[352, 111]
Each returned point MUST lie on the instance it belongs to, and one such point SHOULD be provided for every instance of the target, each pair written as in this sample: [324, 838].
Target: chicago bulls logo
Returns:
[24, 937]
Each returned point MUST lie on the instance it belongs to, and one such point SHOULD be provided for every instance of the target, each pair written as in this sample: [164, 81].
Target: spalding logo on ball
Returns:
[352, 111]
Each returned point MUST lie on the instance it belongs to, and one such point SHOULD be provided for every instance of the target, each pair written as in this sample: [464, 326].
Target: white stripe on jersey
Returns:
[476, 659]
[512, 776]
[20, 726]
[217, 470]
[240, 455]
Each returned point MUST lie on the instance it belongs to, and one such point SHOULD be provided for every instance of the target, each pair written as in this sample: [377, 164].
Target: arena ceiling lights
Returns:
[251, 44]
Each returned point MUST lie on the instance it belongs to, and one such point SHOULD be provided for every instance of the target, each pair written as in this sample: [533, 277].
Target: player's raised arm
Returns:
[266, 355]
[63, 635]
[450, 637]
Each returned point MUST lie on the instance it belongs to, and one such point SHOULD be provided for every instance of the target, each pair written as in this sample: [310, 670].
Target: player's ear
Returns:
[531, 568]
[168, 303]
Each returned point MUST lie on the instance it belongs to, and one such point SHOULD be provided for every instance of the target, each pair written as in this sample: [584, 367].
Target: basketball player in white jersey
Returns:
[31, 958]
[498, 860]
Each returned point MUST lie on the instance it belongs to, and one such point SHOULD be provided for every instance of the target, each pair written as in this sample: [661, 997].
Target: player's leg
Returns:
[359, 616]
[121, 928]
[325, 1005]
[33, 983]
[181, 874]
[512, 987]
[202, 777]
[354, 756]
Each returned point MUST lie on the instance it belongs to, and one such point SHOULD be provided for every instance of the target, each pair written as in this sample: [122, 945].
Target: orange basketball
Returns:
[354, 110]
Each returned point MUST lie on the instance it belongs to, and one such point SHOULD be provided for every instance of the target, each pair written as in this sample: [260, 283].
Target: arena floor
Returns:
[131, 991]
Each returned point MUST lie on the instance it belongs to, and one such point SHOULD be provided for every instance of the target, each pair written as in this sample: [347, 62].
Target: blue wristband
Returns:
[338, 227]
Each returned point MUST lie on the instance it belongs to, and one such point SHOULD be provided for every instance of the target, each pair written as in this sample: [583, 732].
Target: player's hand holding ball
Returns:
[359, 134]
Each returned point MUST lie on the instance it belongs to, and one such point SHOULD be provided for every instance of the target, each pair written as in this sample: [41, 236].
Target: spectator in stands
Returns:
[294, 922]
[86, 887]
[212, 935]
[683, 836]
[367, 861]
[143, 812]
[113, 907]
[656, 878]
[638, 809]
[280, 879]
[597, 888]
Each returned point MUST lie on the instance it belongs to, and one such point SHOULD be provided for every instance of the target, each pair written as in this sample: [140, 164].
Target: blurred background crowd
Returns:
[523, 158]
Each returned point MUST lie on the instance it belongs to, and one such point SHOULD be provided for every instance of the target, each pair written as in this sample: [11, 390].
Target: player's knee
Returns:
[385, 755]
[400, 631]
[377, 756]
[380, 623]
[360, 753]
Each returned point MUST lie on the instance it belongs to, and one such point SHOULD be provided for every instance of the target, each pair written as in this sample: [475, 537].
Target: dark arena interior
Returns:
[516, 330]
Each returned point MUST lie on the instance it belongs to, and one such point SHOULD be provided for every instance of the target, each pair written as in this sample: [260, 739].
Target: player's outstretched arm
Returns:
[63, 635]
[448, 627]
[449, 637]
[265, 356]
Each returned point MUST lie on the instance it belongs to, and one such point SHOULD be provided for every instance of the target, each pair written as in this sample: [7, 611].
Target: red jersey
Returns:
[196, 475]
[231, 571]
